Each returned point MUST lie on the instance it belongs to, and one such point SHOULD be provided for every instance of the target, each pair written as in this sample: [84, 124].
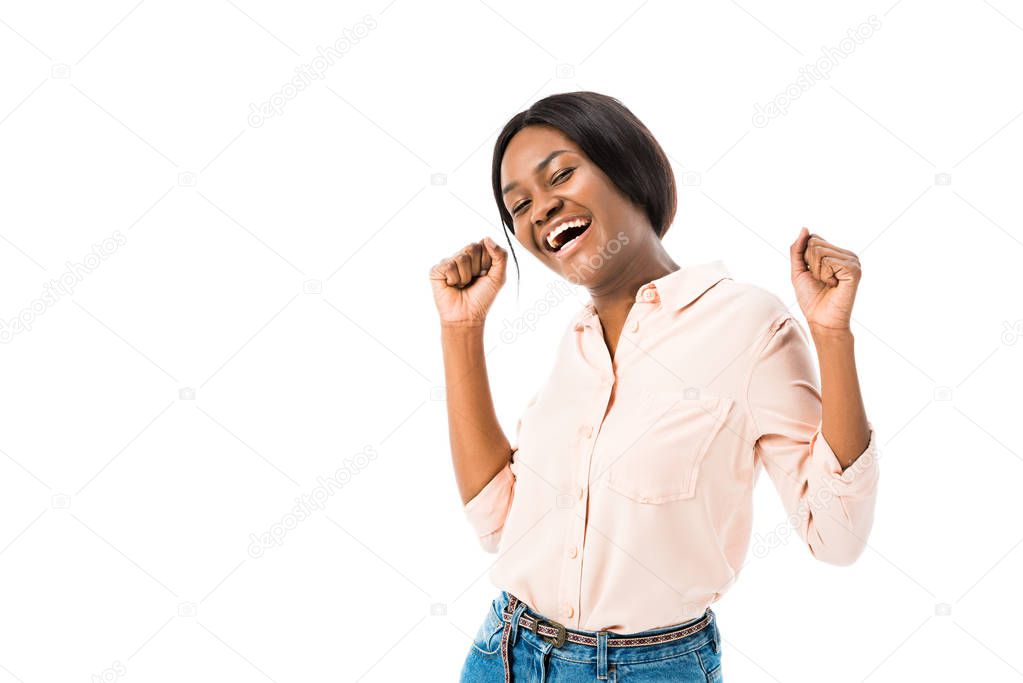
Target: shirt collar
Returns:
[673, 291]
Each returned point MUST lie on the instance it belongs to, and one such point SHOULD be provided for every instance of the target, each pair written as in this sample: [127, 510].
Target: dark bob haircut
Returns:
[613, 138]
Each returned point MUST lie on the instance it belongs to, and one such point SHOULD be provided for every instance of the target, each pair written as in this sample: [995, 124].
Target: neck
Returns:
[613, 298]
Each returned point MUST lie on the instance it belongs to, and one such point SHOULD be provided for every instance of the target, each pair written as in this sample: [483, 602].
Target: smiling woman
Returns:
[668, 392]
[592, 152]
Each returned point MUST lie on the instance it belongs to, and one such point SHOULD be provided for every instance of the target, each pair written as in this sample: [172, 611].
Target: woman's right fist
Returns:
[466, 284]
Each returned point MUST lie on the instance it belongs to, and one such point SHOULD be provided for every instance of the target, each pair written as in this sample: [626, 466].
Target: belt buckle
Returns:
[559, 638]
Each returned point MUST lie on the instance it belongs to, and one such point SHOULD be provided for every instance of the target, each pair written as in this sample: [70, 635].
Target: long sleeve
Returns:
[489, 508]
[832, 510]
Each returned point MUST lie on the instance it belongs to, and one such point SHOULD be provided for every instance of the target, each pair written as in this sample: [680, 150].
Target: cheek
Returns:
[603, 194]
[523, 238]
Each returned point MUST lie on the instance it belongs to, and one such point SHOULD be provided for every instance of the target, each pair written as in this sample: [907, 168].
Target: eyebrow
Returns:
[539, 167]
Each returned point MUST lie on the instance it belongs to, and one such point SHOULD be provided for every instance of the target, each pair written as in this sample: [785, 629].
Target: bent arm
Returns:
[830, 505]
[844, 418]
[479, 447]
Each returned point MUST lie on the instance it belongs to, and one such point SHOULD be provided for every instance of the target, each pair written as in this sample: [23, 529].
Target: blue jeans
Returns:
[534, 659]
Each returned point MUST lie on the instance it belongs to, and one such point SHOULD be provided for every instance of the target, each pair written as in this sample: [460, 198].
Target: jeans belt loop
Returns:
[511, 632]
[601, 655]
[516, 623]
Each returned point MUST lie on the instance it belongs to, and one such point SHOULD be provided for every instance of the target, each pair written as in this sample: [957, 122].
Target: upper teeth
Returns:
[577, 223]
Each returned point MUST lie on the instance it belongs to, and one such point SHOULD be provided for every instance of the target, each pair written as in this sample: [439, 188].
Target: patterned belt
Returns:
[559, 635]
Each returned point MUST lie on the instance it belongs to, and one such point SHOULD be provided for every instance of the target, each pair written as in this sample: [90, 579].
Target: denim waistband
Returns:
[639, 653]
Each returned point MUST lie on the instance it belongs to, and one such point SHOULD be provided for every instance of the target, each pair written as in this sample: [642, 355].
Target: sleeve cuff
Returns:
[488, 509]
[859, 478]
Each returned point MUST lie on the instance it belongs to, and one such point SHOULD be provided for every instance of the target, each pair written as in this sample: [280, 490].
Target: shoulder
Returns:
[759, 308]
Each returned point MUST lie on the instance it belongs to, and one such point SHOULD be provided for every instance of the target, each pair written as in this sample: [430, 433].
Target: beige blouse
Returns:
[627, 504]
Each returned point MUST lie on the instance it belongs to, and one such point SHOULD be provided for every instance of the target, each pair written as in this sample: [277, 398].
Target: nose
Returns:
[544, 211]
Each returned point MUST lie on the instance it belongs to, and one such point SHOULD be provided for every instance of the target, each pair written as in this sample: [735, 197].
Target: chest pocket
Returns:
[672, 435]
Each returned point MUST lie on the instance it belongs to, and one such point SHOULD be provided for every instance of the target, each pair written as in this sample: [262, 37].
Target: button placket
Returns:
[571, 575]
[570, 583]
[646, 295]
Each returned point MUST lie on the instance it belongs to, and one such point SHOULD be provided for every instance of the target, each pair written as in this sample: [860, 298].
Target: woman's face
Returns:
[546, 178]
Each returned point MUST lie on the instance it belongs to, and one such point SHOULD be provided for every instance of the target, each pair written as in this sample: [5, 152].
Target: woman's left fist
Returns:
[825, 278]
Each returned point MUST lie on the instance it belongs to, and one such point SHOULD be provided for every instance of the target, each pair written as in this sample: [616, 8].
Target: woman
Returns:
[624, 508]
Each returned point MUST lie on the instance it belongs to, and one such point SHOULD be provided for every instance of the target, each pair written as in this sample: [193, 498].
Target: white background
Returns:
[280, 271]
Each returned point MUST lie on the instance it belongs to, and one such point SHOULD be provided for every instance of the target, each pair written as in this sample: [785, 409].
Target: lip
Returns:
[566, 251]
[550, 228]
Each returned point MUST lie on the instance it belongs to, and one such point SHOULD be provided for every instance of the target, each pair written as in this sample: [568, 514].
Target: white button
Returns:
[572, 552]
[586, 431]
[567, 611]
[580, 493]
[634, 326]
[649, 294]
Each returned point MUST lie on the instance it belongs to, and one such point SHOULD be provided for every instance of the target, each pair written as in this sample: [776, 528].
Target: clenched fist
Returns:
[466, 283]
[825, 277]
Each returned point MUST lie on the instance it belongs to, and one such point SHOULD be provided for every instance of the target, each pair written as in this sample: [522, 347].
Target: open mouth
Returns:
[566, 232]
